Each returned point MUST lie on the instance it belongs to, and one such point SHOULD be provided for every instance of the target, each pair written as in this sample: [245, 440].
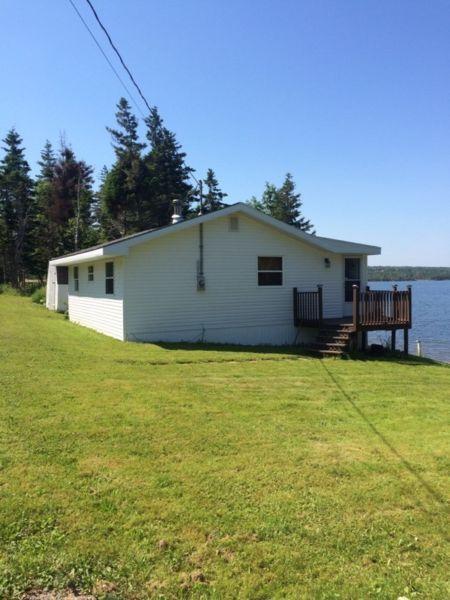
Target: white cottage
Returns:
[233, 276]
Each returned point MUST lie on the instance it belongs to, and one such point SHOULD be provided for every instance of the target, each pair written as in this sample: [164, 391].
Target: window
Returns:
[352, 276]
[91, 273]
[270, 270]
[62, 275]
[109, 278]
[76, 280]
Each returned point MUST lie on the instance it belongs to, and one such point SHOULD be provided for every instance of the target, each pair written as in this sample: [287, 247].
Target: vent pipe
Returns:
[176, 216]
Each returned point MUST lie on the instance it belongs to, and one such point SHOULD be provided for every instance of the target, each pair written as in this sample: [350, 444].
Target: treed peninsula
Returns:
[408, 273]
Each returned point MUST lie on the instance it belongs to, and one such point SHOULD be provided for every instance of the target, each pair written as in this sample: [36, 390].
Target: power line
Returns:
[121, 61]
[119, 55]
[106, 58]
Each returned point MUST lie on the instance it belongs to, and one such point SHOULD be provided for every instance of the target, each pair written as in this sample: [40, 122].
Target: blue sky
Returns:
[351, 96]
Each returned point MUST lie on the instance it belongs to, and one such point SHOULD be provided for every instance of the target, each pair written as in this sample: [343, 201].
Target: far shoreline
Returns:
[404, 273]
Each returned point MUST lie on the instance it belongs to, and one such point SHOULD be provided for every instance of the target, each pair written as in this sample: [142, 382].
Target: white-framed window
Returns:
[91, 273]
[76, 279]
[270, 270]
[109, 278]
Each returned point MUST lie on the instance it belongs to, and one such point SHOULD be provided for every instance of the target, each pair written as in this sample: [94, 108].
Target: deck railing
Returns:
[308, 307]
[381, 309]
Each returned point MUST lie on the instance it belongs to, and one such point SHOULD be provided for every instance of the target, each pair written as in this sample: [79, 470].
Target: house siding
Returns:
[163, 303]
[90, 306]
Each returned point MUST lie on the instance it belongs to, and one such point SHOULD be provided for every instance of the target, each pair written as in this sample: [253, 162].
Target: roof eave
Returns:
[91, 256]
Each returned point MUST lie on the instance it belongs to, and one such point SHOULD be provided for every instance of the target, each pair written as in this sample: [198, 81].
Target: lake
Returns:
[430, 318]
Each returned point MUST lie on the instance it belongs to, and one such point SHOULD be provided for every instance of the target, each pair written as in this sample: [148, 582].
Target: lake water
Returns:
[430, 318]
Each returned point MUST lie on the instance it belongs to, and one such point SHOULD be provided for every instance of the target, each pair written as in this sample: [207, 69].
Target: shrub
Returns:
[5, 288]
[38, 296]
[30, 287]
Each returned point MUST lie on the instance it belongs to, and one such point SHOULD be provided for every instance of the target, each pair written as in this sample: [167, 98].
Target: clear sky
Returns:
[351, 96]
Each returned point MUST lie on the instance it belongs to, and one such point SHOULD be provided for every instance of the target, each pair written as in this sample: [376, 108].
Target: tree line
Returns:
[58, 211]
[408, 273]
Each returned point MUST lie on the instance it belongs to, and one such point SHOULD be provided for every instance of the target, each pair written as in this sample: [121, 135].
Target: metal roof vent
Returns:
[176, 216]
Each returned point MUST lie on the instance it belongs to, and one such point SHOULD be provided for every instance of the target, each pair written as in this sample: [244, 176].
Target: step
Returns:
[325, 352]
[333, 338]
[319, 346]
[337, 328]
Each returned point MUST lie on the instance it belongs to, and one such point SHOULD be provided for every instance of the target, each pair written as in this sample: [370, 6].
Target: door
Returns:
[352, 276]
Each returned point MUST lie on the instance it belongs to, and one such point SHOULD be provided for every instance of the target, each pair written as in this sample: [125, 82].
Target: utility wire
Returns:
[119, 55]
[106, 58]
[97, 18]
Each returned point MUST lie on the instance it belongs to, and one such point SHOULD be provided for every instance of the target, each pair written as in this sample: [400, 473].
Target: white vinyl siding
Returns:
[91, 306]
[163, 303]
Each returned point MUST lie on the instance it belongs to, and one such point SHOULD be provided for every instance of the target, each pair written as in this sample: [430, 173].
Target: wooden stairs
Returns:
[333, 339]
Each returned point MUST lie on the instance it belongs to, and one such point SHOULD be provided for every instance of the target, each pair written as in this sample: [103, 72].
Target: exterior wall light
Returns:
[327, 263]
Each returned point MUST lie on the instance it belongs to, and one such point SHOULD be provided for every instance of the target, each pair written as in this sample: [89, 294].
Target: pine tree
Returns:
[126, 139]
[47, 162]
[288, 206]
[124, 196]
[72, 202]
[45, 232]
[283, 204]
[17, 210]
[213, 199]
[167, 171]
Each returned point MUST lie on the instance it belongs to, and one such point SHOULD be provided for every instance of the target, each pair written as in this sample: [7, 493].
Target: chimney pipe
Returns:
[176, 216]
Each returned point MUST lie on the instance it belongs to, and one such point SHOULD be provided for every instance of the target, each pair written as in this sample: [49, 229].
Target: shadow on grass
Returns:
[398, 357]
[262, 353]
[285, 352]
[203, 346]
[406, 464]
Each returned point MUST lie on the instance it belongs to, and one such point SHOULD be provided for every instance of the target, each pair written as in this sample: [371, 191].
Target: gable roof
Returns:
[121, 246]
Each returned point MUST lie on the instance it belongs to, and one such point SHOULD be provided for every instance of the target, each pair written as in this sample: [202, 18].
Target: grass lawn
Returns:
[138, 470]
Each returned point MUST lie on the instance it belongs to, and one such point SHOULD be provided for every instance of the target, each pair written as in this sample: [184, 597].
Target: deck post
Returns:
[364, 341]
[395, 302]
[405, 341]
[295, 298]
[320, 295]
[356, 300]
[409, 288]
[393, 335]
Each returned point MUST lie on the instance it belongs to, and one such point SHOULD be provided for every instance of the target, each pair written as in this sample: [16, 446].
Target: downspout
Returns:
[201, 283]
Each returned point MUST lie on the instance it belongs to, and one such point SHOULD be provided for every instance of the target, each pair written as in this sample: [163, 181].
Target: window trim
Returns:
[76, 279]
[109, 278]
[91, 271]
[281, 271]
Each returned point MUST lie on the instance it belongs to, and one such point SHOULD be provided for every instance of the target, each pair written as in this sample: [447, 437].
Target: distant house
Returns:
[233, 276]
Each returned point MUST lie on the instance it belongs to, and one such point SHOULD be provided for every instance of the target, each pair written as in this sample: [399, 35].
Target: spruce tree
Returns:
[123, 196]
[167, 171]
[289, 204]
[17, 211]
[284, 204]
[72, 202]
[213, 198]
[45, 232]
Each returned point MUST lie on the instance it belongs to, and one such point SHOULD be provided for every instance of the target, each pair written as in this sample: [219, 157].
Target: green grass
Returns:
[138, 470]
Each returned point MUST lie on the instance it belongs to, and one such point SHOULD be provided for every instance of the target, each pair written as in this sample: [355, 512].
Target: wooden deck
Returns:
[372, 310]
